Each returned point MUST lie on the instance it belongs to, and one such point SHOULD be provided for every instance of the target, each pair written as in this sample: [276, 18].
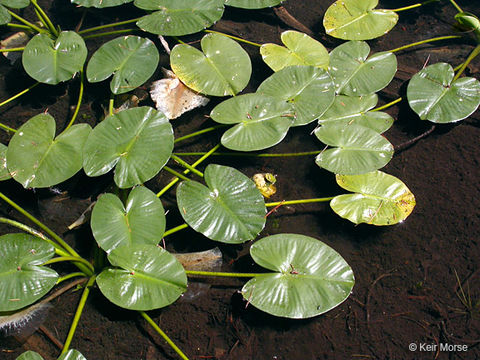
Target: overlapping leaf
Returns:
[29, 355]
[23, 279]
[223, 68]
[252, 4]
[138, 142]
[100, 3]
[5, 16]
[379, 199]
[308, 89]
[36, 159]
[130, 59]
[434, 95]
[262, 121]
[299, 49]
[179, 17]
[358, 20]
[4, 173]
[310, 277]
[230, 209]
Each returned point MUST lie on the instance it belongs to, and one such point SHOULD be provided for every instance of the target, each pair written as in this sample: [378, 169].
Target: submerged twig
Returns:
[410, 142]
[291, 21]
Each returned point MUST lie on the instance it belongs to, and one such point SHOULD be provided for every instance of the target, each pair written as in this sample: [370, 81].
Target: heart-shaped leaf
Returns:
[149, 277]
[4, 173]
[380, 199]
[223, 68]
[36, 159]
[5, 16]
[50, 61]
[252, 4]
[348, 110]
[434, 96]
[310, 277]
[72, 355]
[130, 59]
[300, 49]
[262, 121]
[358, 20]
[355, 75]
[29, 355]
[179, 17]
[23, 279]
[100, 3]
[357, 149]
[140, 221]
[230, 210]
[308, 89]
[138, 142]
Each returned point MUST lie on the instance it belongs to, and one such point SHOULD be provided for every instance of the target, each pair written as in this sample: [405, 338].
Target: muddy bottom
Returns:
[417, 288]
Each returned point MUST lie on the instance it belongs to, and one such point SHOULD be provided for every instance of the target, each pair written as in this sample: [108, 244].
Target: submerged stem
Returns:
[196, 133]
[79, 101]
[413, 6]
[70, 258]
[459, 9]
[101, 27]
[26, 22]
[109, 33]
[223, 274]
[469, 59]
[440, 38]
[391, 103]
[7, 128]
[302, 201]
[187, 165]
[70, 276]
[176, 173]
[175, 229]
[306, 153]
[12, 49]
[233, 37]
[19, 94]
[43, 17]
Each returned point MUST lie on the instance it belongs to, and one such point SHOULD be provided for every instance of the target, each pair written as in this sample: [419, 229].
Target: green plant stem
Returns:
[175, 229]
[196, 133]
[43, 17]
[177, 39]
[306, 153]
[70, 276]
[110, 33]
[70, 258]
[12, 49]
[469, 59]
[440, 38]
[19, 26]
[198, 162]
[110, 104]
[79, 101]
[45, 228]
[101, 27]
[459, 9]
[302, 201]
[18, 95]
[413, 6]
[176, 173]
[26, 22]
[163, 335]
[78, 313]
[391, 103]
[233, 37]
[186, 165]
[223, 274]
[7, 128]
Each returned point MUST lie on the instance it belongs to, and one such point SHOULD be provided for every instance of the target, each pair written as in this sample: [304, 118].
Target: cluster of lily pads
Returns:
[335, 89]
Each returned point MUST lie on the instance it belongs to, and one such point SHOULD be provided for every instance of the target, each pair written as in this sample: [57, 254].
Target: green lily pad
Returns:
[138, 142]
[100, 3]
[222, 69]
[23, 279]
[29, 355]
[434, 96]
[252, 4]
[140, 221]
[379, 199]
[36, 159]
[130, 59]
[229, 210]
[358, 20]
[308, 89]
[15, 4]
[310, 277]
[146, 277]
[5, 16]
[50, 61]
[355, 75]
[262, 121]
[357, 149]
[179, 17]
[4, 173]
[299, 49]
[348, 110]
[72, 355]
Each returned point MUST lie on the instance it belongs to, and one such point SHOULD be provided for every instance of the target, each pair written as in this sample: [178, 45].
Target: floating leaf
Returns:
[140, 221]
[72, 355]
[29, 355]
[357, 149]
[380, 199]
[23, 280]
[434, 96]
[100, 3]
[300, 49]
[358, 20]
[230, 210]
[50, 61]
[355, 75]
[348, 110]
[149, 277]
[310, 277]
[130, 59]
[252, 4]
[36, 159]
[262, 121]
[308, 89]
[138, 142]
[179, 17]
[4, 173]
[5, 16]
[223, 68]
